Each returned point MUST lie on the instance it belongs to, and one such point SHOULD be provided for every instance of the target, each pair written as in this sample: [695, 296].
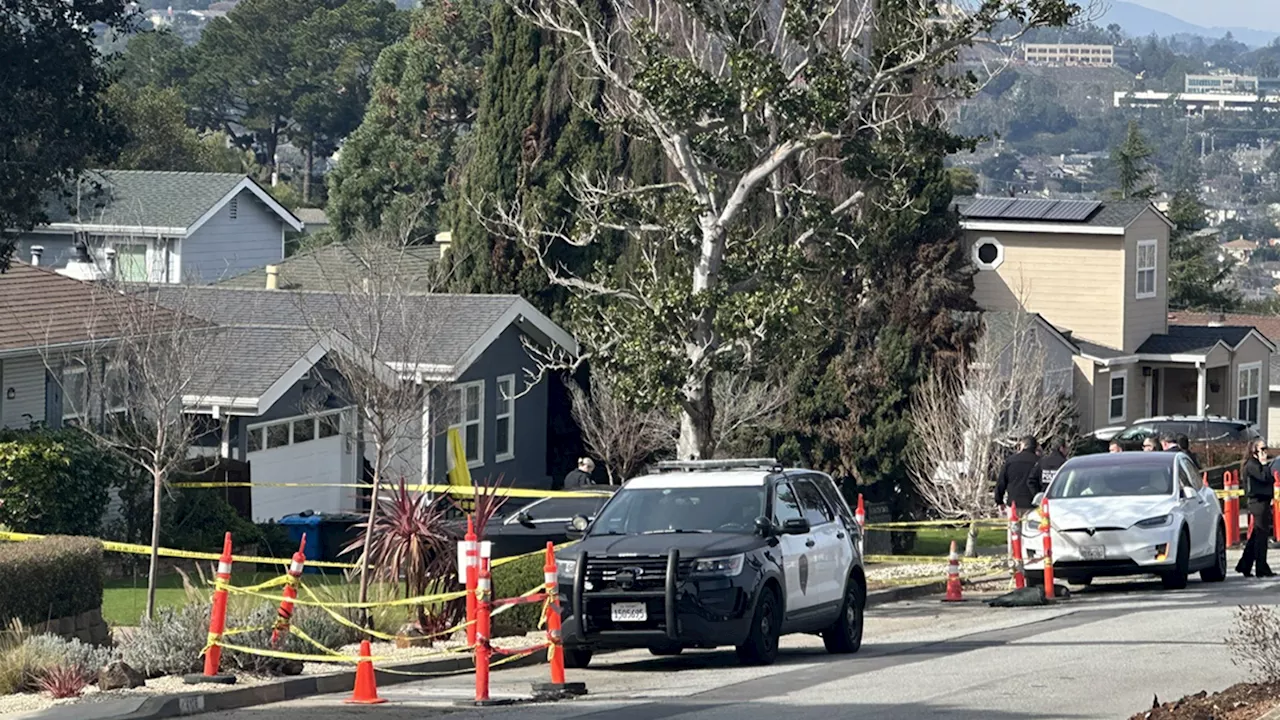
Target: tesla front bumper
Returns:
[1079, 553]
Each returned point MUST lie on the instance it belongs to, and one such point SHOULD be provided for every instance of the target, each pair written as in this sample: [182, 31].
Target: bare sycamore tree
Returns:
[130, 386]
[759, 110]
[623, 437]
[744, 405]
[965, 419]
[383, 327]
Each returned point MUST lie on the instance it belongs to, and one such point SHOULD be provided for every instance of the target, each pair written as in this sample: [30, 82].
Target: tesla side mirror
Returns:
[1186, 492]
[1039, 498]
[765, 527]
[795, 526]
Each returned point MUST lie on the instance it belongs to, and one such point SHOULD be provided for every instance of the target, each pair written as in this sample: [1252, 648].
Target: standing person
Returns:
[1184, 444]
[1047, 467]
[581, 475]
[1015, 477]
[1115, 446]
[1149, 444]
[1258, 488]
[1169, 442]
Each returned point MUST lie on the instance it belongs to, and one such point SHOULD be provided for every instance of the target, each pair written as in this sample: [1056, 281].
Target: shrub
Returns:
[1255, 642]
[21, 665]
[513, 579]
[55, 481]
[198, 520]
[63, 681]
[171, 644]
[50, 578]
[71, 653]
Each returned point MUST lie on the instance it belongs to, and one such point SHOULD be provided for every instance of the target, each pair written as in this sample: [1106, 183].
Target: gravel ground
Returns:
[437, 651]
[897, 573]
[30, 702]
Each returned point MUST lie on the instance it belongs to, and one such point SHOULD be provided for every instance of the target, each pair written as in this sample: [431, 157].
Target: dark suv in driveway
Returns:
[1215, 441]
[713, 554]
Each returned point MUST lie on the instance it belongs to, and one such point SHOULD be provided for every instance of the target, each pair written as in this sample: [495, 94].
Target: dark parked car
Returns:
[1215, 441]
[528, 528]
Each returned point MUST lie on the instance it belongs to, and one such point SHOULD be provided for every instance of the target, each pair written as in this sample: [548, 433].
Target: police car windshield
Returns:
[681, 510]
[1115, 481]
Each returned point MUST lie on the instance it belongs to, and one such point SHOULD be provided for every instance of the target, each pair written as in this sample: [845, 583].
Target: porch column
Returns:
[424, 460]
[1201, 377]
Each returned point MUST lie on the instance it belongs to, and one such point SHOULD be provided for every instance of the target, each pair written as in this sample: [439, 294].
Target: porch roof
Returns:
[1182, 343]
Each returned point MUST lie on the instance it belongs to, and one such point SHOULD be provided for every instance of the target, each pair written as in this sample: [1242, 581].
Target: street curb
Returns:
[1271, 715]
[911, 592]
[182, 704]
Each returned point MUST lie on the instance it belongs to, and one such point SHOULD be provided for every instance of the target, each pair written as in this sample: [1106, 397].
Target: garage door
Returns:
[301, 451]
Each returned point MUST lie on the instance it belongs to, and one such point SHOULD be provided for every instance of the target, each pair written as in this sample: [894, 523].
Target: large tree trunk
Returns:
[971, 541]
[696, 414]
[153, 569]
[306, 177]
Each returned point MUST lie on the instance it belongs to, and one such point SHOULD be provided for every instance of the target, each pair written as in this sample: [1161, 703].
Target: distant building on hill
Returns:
[1074, 54]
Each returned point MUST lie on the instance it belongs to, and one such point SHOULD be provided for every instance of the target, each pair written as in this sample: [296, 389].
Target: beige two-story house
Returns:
[1098, 272]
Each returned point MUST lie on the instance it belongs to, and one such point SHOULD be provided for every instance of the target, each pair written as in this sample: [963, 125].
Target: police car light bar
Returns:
[736, 464]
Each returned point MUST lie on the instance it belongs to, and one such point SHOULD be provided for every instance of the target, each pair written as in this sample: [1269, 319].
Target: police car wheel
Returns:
[845, 634]
[577, 658]
[761, 647]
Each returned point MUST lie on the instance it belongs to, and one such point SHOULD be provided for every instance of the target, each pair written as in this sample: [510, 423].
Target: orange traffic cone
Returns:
[953, 576]
[366, 690]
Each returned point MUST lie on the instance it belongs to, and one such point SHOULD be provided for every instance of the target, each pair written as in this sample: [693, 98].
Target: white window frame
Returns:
[1153, 269]
[1246, 369]
[1123, 376]
[289, 421]
[508, 397]
[85, 405]
[461, 423]
[977, 261]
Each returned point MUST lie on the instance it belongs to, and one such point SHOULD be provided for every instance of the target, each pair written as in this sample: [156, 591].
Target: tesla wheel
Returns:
[761, 647]
[845, 634]
[1217, 572]
[577, 658]
[1175, 578]
[665, 650]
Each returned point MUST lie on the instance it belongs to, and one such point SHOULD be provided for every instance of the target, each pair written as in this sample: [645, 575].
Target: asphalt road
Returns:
[1102, 654]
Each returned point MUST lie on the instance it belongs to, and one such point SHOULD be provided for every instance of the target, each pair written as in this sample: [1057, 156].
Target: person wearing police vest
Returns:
[1015, 482]
[1258, 487]
[1047, 467]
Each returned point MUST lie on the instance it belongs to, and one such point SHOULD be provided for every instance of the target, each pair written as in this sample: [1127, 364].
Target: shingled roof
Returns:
[1111, 214]
[336, 266]
[153, 199]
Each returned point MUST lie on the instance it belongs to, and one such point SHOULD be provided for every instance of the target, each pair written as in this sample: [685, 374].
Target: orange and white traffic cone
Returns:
[1015, 548]
[285, 614]
[953, 576]
[217, 624]
[557, 688]
[1046, 533]
[366, 690]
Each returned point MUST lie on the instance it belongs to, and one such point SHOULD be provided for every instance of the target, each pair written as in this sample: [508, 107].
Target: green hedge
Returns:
[50, 578]
[56, 482]
[514, 579]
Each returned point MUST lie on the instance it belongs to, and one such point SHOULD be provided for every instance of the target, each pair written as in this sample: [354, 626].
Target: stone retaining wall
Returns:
[88, 627]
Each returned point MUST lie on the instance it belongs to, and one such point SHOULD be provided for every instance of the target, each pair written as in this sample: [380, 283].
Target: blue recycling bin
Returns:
[307, 523]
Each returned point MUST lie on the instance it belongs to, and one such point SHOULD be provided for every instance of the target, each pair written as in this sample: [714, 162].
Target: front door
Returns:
[796, 552]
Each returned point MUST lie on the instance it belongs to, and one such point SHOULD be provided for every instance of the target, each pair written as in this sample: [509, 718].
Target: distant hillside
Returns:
[1139, 21]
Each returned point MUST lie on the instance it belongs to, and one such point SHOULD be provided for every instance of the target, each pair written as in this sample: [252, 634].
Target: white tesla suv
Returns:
[1132, 513]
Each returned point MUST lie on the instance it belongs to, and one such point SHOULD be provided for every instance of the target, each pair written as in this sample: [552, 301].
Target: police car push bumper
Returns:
[711, 606]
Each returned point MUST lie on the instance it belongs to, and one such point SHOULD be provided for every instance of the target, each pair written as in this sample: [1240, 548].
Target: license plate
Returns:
[1093, 552]
[630, 612]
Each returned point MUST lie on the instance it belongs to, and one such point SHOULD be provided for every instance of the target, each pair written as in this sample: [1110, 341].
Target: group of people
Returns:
[1027, 472]
[1167, 442]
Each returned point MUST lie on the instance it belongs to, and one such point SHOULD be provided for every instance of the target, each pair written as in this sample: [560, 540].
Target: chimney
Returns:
[110, 254]
[36, 252]
[445, 241]
[273, 277]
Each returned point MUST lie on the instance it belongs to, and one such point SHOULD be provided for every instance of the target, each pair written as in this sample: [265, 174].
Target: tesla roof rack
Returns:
[711, 465]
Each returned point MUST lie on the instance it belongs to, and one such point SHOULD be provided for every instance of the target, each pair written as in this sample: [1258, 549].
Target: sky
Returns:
[1255, 14]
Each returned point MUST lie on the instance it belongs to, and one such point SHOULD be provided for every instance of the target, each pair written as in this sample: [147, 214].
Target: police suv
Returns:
[707, 554]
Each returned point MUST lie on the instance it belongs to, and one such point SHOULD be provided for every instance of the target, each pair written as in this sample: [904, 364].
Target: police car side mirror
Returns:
[577, 527]
[795, 526]
[524, 519]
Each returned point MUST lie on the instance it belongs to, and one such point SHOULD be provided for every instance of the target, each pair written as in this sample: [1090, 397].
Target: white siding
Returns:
[317, 462]
[26, 377]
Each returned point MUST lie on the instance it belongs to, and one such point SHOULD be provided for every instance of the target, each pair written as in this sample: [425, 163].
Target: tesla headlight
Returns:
[1155, 522]
[566, 568]
[729, 566]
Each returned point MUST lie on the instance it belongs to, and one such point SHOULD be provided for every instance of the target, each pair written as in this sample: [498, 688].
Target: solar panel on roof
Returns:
[1073, 210]
[1029, 209]
[987, 208]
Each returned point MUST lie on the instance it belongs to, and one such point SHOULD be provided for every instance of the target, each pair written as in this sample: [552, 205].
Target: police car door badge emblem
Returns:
[804, 574]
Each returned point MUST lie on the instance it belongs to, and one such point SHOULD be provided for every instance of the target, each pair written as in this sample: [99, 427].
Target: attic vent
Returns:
[233, 207]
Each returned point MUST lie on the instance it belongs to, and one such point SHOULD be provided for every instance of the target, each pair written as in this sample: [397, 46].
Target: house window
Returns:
[1146, 269]
[1249, 389]
[291, 431]
[131, 263]
[329, 425]
[304, 430]
[75, 394]
[115, 388]
[470, 403]
[1118, 405]
[255, 439]
[988, 253]
[504, 441]
[277, 435]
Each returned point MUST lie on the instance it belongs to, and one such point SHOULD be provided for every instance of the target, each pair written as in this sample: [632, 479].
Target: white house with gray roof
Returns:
[161, 227]
[273, 402]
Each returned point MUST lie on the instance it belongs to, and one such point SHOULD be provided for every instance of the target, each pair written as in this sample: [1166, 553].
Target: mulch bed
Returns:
[1246, 701]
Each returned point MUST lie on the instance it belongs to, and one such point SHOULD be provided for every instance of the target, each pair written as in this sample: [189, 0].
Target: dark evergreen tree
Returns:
[1131, 162]
[1198, 276]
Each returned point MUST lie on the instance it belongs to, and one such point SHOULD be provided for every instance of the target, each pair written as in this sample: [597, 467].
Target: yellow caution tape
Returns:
[911, 524]
[438, 489]
[113, 546]
[419, 600]
[343, 620]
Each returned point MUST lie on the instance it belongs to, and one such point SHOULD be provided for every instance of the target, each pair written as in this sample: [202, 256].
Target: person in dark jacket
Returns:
[580, 476]
[1047, 467]
[1014, 483]
[1184, 444]
[1258, 487]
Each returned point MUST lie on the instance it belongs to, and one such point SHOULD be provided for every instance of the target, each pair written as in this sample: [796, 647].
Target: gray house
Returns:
[274, 395]
[163, 227]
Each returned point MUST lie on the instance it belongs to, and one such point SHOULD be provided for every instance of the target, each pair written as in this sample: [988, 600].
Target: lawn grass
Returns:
[937, 541]
[124, 600]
